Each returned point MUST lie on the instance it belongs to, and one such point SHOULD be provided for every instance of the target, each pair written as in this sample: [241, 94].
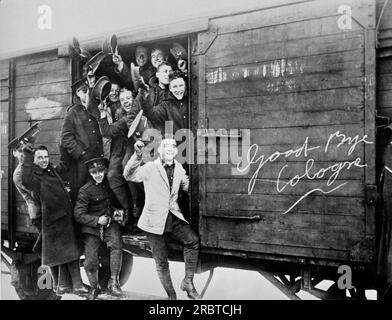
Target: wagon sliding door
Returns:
[297, 75]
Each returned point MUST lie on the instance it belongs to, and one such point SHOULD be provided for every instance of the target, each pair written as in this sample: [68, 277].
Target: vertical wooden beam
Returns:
[198, 106]
[193, 116]
[370, 110]
[76, 73]
[11, 135]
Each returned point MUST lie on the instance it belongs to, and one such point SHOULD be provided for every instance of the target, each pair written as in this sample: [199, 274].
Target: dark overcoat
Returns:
[82, 140]
[170, 109]
[59, 238]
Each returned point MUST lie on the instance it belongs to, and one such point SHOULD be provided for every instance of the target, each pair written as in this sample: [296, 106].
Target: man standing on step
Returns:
[161, 216]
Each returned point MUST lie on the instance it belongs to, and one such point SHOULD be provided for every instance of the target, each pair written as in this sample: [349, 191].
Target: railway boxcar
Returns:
[289, 106]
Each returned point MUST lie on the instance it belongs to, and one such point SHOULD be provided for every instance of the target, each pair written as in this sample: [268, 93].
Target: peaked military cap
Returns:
[97, 164]
[78, 84]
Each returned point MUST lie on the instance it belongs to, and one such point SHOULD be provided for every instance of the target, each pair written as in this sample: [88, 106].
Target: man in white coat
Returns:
[161, 216]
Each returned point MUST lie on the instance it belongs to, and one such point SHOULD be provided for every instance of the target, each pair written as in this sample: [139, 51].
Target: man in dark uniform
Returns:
[173, 108]
[95, 212]
[159, 85]
[146, 69]
[80, 136]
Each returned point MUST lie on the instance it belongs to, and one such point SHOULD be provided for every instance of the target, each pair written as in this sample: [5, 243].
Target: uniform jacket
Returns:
[156, 94]
[94, 200]
[125, 77]
[119, 129]
[80, 134]
[59, 237]
[81, 140]
[170, 109]
[147, 72]
[159, 198]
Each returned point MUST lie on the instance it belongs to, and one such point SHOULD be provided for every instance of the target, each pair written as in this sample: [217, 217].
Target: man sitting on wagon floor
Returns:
[95, 212]
[161, 216]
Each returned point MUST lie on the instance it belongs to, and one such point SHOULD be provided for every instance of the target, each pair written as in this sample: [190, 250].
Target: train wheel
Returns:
[126, 269]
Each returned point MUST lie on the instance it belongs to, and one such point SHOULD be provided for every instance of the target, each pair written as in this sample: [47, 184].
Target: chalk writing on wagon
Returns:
[307, 151]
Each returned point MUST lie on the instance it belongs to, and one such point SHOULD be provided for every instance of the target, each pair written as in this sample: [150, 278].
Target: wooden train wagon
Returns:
[286, 102]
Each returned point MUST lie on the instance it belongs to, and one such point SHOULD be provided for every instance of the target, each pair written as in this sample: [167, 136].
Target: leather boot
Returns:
[92, 277]
[115, 267]
[55, 277]
[190, 257]
[188, 286]
[124, 196]
[79, 287]
[164, 276]
[64, 283]
[104, 268]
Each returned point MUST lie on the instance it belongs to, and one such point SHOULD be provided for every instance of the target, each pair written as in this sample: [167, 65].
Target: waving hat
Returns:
[110, 45]
[92, 65]
[77, 51]
[101, 89]
[138, 126]
[178, 51]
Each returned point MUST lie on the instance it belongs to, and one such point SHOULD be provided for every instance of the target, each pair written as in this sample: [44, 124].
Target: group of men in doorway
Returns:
[110, 188]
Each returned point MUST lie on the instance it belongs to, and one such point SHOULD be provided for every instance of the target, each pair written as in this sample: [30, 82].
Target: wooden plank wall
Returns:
[4, 71]
[384, 63]
[287, 73]
[42, 93]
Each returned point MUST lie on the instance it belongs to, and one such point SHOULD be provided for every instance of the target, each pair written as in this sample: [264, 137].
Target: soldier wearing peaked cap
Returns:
[100, 223]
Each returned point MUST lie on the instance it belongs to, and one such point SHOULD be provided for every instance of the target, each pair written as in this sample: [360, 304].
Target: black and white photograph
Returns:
[209, 151]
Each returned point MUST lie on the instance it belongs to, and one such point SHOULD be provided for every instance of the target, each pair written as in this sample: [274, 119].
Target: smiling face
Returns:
[141, 56]
[177, 88]
[168, 150]
[114, 92]
[98, 175]
[41, 158]
[163, 73]
[126, 100]
[157, 57]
